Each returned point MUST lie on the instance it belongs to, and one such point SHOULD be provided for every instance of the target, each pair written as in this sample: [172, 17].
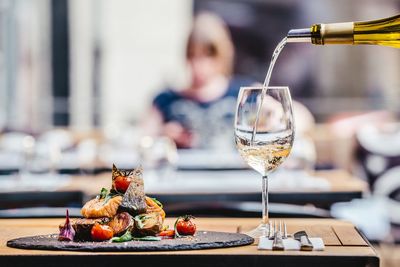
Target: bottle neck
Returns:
[376, 32]
[333, 33]
[320, 34]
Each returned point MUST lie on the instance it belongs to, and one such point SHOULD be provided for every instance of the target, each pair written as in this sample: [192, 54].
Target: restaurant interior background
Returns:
[93, 67]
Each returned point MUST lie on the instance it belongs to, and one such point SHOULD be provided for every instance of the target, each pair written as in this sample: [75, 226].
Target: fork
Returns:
[285, 234]
[271, 232]
[278, 239]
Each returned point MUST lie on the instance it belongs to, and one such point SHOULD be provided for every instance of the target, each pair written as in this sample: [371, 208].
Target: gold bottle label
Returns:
[333, 33]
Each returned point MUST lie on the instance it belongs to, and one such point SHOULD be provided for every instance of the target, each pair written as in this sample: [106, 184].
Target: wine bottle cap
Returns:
[299, 36]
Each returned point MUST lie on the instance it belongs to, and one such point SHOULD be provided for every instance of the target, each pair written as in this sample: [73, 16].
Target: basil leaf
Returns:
[140, 219]
[103, 193]
[124, 238]
[157, 202]
[107, 196]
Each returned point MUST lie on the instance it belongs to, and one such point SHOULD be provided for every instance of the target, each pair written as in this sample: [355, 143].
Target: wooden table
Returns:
[344, 247]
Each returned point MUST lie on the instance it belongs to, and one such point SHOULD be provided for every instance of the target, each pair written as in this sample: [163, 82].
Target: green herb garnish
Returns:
[128, 237]
[157, 202]
[123, 238]
[175, 230]
[103, 193]
[140, 219]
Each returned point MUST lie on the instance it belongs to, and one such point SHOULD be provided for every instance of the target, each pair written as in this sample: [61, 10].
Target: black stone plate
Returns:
[202, 240]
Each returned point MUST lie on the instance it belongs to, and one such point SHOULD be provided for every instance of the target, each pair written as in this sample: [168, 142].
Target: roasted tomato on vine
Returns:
[184, 225]
[101, 232]
[121, 183]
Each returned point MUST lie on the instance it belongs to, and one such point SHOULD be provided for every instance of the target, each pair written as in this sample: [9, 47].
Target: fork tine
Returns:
[277, 244]
[284, 230]
[271, 230]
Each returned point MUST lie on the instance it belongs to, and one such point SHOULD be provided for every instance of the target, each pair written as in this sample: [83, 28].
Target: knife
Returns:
[305, 243]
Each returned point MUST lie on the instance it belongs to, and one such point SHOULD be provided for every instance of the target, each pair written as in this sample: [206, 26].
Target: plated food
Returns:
[124, 213]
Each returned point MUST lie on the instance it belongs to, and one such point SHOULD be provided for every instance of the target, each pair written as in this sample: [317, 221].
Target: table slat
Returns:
[349, 236]
[325, 232]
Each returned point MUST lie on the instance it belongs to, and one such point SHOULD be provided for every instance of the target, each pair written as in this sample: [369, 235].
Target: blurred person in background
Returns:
[201, 115]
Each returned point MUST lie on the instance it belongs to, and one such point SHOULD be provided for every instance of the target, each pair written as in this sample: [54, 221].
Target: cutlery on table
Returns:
[278, 241]
[285, 234]
[305, 243]
[271, 232]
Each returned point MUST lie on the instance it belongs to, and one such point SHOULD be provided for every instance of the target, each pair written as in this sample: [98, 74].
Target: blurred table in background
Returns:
[235, 193]
[211, 189]
[208, 182]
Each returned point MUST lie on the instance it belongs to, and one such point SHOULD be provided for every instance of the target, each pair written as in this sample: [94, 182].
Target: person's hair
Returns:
[211, 33]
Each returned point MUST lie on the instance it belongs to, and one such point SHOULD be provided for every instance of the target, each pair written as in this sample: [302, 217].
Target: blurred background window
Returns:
[89, 64]
[25, 65]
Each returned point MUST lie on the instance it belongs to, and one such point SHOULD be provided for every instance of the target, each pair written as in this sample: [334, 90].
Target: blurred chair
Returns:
[377, 150]
[341, 133]
[378, 160]
[388, 187]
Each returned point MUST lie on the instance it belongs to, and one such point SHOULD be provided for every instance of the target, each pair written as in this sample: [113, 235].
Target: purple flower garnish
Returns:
[67, 232]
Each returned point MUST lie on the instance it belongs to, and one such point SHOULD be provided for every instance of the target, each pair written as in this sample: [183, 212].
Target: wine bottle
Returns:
[376, 32]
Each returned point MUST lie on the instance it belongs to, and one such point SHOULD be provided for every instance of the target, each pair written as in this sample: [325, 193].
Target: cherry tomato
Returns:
[185, 226]
[121, 183]
[101, 232]
[167, 233]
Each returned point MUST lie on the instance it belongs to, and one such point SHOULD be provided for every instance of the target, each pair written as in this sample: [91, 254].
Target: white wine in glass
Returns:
[264, 132]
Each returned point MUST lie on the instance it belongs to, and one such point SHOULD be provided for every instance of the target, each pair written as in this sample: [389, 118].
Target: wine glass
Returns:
[264, 132]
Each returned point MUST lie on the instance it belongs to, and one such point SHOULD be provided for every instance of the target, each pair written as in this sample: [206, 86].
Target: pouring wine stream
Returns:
[275, 55]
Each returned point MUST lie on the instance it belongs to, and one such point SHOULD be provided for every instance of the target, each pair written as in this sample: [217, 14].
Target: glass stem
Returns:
[265, 218]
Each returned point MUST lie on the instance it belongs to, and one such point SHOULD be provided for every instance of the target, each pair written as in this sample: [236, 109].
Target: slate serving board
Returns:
[202, 240]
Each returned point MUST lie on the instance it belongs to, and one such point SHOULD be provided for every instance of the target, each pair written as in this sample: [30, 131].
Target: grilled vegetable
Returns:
[121, 223]
[101, 207]
[101, 232]
[149, 224]
[67, 232]
[184, 225]
[134, 201]
[83, 227]
[153, 205]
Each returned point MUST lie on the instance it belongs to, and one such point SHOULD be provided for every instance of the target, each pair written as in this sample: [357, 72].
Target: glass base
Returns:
[261, 230]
